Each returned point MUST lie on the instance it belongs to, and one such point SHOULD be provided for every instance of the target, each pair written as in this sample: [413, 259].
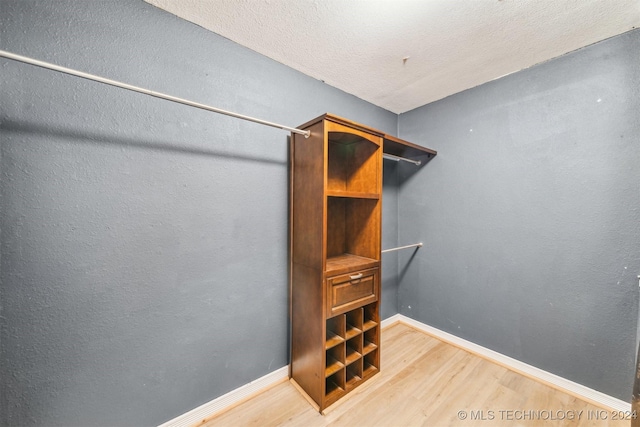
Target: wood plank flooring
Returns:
[426, 382]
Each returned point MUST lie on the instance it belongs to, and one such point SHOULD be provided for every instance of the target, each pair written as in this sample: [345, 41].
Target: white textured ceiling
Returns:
[361, 46]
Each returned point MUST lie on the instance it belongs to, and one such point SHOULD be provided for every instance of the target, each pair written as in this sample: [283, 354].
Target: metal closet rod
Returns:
[398, 159]
[418, 245]
[121, 85]
[99, 79]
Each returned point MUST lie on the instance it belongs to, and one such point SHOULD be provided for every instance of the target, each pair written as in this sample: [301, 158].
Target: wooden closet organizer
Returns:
[336, 200]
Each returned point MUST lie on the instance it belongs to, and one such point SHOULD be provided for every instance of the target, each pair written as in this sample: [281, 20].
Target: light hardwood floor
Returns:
[426, 382]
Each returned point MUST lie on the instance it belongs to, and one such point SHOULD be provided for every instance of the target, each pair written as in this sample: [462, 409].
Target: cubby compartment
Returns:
[354, 349]
[335, 385]
[370, 340]
[335, 359]
[353, 165]
[370, 328]
[353, 323]
[353, 374]
[335, 331]
[370, 364]
[370, 317]
[353, 233]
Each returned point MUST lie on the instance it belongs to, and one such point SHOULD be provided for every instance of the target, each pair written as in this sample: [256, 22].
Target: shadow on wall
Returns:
[88, 137]
[407, 170]
[405, 268]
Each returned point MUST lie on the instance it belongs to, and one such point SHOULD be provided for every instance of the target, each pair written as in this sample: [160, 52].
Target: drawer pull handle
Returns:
[356, 276]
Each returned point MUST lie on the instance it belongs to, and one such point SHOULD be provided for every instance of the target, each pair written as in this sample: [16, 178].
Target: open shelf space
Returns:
[353, 237]
[352, 163]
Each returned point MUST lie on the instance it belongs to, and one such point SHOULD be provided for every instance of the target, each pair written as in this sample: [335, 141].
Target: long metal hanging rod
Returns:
[419, 245]
[160, 95]
[401, 159]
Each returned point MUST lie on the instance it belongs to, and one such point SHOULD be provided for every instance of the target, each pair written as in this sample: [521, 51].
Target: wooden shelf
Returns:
[369, 324]
[333, 340]
[401, 148]
[347, 262]
[333, 366]
[352, 356]
[368, 347]
[352, 331]
[352, 194]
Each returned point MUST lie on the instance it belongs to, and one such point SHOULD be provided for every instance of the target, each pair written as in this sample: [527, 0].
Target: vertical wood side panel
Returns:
[308, 331]
[308, 198]
[307, 246]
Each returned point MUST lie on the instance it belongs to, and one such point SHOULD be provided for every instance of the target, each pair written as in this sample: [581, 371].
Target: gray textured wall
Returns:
[144, 244]
[143, 257]
[390, 184]
[531, 215]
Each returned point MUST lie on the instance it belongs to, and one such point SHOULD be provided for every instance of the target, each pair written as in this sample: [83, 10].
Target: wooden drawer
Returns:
[349, 291]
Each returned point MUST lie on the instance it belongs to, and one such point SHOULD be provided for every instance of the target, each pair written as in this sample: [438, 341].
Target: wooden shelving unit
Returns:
[336, 188]
[336, 196]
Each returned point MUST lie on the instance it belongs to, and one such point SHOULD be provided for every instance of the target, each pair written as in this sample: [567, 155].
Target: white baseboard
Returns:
[396, 318]
[570, 387]
[224, 402]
